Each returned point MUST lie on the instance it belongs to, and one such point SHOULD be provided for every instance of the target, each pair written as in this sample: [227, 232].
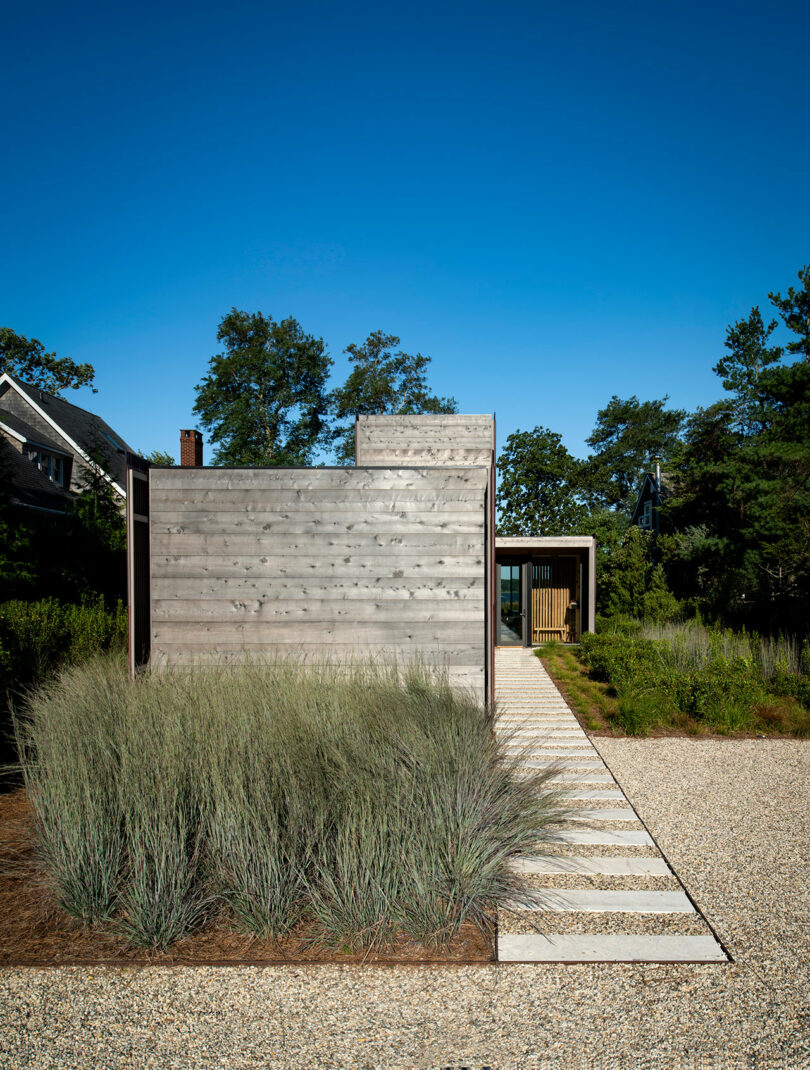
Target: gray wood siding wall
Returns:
[424, 440]
[320, 563]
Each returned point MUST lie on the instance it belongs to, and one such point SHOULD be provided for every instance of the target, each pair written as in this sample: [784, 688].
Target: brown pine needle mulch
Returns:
[36, 931]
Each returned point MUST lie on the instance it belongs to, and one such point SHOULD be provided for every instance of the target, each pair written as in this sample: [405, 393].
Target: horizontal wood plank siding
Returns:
[424, 440]
[324, 564]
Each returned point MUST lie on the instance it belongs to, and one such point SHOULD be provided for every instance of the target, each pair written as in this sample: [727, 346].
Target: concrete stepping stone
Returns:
[595, 796]
[594, 865]
[563, 731]
[603, 837]
[565, 763]
[582, 778]
[609, 947]
[617, 814]
[602, 900]
[559, 752]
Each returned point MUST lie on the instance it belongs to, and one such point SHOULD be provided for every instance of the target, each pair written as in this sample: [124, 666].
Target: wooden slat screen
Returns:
[554, 587]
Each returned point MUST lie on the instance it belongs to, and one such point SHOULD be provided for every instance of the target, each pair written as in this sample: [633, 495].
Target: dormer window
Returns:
[52, 465]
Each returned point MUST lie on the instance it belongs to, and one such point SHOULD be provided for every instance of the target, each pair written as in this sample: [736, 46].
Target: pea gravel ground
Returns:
[731, 817]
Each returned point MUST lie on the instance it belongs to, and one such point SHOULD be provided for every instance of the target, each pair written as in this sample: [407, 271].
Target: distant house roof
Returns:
[26, 433]
[92, 436]
[30, 486]
[652, 492]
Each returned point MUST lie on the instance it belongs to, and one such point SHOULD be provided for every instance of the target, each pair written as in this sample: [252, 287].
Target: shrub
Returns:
[619, 659]
[363, 803]
[638, 710]
[663, 673]
[41, 636]
[725, 692]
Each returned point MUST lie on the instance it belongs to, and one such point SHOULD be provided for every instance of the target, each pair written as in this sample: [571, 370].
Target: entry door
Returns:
[512, 616]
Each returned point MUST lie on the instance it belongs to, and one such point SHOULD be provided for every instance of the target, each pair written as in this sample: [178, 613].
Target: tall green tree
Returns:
[264, 399]
[628, 436]
[795, 312]
[743, 481]
[749, 353]
[28, 359]
[538, 486]
[382, 382]
[633, 583]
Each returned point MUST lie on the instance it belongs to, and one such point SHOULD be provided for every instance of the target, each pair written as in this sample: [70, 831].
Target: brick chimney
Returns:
[191, 449]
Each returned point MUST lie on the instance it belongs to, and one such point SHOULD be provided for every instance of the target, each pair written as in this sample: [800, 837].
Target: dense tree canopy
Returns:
[382, 382]
[742, 508]
[27, 359]
[538, 486]
[629, 434]
[263, 401]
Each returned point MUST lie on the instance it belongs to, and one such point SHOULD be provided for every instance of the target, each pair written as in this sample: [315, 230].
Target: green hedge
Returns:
[37, 638]
[654, 688]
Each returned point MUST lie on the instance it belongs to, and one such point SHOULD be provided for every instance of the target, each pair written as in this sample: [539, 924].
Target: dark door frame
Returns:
[525, 566]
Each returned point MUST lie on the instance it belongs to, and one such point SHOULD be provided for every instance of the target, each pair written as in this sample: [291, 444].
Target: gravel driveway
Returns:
[731, 816]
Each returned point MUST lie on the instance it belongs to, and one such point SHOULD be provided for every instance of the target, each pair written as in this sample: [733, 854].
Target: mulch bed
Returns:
[36, 931]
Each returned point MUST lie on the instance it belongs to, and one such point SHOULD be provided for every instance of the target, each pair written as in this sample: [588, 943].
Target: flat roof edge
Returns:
[520, 542]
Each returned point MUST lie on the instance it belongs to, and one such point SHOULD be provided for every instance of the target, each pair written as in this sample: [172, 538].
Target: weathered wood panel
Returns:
[291, 522]
[371, 588]
[417, 543]
[320, 563]
[322, 611]
[424, 440]
[201, 480]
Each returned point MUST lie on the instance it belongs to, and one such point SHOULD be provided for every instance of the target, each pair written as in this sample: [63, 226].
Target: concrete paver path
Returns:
[615, 919]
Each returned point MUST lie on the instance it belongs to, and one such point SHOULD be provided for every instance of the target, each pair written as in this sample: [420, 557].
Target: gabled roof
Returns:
[91, 436]
[650, 492]
[24, 432]
[28, 485]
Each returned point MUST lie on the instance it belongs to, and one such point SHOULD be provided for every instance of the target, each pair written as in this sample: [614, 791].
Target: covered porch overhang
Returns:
[546, 589]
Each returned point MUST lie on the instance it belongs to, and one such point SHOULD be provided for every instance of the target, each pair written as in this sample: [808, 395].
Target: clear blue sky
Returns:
[557, 202]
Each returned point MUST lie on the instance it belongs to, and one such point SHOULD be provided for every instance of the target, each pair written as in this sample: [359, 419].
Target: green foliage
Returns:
[98, 510]
[39, 637]
[627, 437]
[382, 382]
[27, 359]
[160, 458]
[742, 507]
[633, 582]
[749, 353]
[537, 486]
[362, 802]
[795, 312]
[263, 400]
[688, 675]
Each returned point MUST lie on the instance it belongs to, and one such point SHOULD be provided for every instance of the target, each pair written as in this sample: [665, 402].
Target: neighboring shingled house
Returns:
[656, 487]
[48, 447]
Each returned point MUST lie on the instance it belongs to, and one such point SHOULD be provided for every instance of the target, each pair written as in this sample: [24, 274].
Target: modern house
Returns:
[48, 448]
[395, 557]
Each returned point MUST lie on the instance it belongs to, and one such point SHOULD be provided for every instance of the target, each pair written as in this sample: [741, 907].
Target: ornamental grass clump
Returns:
[346, 807]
